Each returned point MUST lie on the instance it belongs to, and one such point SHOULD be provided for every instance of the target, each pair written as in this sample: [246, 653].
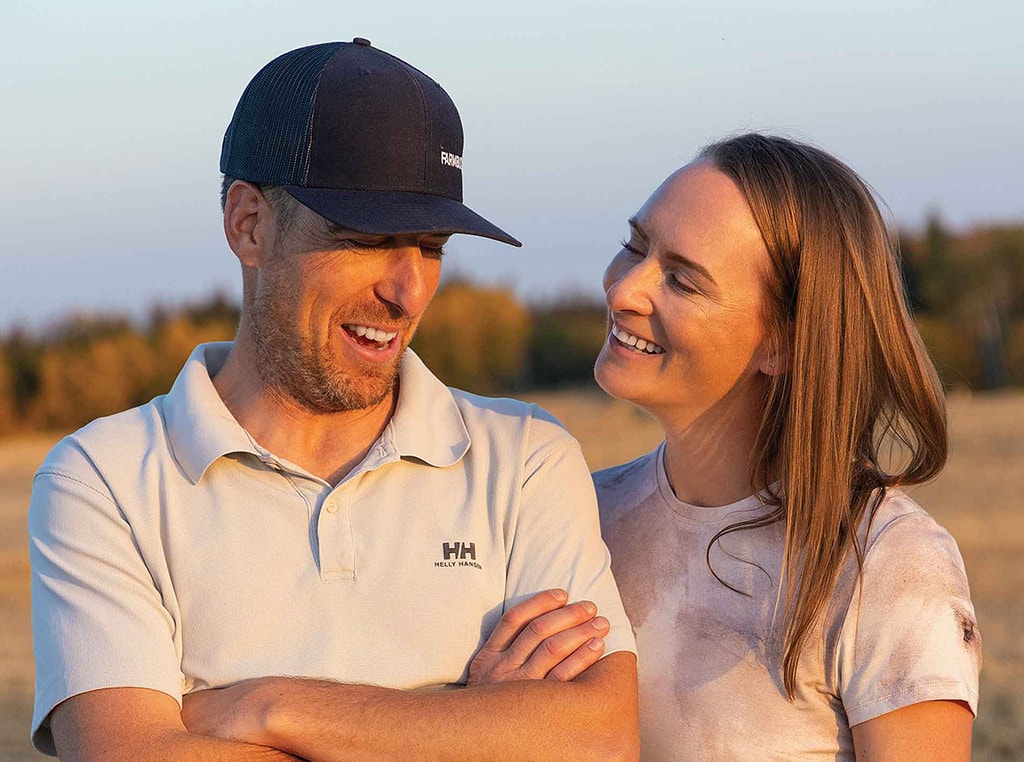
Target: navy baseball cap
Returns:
[358, 136]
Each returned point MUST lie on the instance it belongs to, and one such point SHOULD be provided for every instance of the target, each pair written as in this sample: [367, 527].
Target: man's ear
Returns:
[247, 223]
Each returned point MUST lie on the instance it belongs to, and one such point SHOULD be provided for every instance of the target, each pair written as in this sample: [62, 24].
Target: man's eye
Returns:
[436, 252]
[349, 243]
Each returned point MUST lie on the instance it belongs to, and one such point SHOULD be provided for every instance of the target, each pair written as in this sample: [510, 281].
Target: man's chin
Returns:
[344, 393]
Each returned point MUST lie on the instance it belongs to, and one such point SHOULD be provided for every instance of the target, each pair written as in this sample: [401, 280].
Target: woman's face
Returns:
[688, 283]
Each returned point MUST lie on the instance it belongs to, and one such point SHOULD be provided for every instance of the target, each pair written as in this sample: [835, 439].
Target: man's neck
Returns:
[327, 445]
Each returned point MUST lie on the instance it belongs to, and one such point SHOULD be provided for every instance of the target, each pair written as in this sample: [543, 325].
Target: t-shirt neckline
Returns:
[700, 514]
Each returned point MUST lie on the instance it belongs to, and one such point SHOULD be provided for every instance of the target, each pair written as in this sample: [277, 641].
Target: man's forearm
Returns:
[139, 725]
[187, 747]
[593, 717]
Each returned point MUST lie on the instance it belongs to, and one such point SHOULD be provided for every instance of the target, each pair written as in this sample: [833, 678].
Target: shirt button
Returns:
[331, 506]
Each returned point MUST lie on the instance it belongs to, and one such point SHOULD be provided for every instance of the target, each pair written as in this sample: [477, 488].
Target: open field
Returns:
[979, 498]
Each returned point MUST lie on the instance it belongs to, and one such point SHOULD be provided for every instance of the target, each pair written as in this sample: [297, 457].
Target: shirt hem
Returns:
[938, 690]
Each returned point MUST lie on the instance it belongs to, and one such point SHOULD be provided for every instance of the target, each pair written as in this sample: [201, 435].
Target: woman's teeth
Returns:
[378, 335]
[643, 346]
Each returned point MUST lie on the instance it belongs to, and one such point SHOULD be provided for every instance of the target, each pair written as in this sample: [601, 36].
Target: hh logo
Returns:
[458, 554]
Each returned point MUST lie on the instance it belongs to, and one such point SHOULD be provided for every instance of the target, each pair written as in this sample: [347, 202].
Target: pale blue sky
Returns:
[113, 114]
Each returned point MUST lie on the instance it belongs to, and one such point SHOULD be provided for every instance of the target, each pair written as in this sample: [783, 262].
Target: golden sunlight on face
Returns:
[335, 311]
[684, 296]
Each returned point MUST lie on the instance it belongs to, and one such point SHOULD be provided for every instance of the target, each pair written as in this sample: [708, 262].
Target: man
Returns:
[311, 501]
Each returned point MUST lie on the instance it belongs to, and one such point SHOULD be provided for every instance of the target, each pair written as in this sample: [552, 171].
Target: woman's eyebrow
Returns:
[636, 227]
[675, 256]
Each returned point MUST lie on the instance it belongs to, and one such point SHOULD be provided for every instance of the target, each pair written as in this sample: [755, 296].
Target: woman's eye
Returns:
[631, 249]
[677, 285]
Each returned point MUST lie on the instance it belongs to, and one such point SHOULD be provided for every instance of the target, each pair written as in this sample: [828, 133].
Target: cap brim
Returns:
[396, 212]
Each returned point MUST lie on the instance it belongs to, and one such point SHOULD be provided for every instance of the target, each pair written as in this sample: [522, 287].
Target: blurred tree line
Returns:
[967, 292]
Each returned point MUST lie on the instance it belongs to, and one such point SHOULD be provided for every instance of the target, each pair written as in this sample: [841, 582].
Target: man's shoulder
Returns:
[505, 416]
[106, 441]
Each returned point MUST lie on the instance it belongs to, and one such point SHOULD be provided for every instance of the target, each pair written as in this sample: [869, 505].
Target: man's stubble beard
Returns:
[293, 366]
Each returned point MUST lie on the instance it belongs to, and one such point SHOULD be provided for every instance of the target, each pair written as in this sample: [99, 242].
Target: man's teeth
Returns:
[373, 334]
[640, 345]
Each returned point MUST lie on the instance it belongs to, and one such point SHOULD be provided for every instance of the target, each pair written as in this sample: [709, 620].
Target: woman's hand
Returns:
[541, 638]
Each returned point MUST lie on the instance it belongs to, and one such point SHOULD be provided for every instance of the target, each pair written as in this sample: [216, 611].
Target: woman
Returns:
[789, 600]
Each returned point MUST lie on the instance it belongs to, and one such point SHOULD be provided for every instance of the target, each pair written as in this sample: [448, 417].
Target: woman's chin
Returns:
[615, 380]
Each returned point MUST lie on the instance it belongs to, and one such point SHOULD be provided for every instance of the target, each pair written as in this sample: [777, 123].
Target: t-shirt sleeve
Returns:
[557, 537]
[97, 617]
[910, 634]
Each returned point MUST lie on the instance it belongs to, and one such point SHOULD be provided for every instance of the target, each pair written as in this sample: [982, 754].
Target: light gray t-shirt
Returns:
[709, 666]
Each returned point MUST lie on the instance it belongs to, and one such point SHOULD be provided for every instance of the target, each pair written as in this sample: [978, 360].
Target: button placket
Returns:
[334, 531]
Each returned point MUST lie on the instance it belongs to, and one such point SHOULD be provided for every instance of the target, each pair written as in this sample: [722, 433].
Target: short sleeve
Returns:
[557, 539]
[910, 634]
[97, 617]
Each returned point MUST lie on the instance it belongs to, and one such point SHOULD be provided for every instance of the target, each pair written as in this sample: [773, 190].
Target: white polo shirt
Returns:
[170, 551]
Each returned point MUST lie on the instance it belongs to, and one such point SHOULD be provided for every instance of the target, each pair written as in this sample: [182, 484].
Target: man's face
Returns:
[333, 310]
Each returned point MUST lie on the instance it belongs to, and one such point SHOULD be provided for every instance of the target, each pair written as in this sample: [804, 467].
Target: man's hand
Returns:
[541, 638]
[235, 713]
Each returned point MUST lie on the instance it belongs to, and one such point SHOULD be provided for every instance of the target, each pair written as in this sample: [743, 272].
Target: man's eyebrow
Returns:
[675, 257]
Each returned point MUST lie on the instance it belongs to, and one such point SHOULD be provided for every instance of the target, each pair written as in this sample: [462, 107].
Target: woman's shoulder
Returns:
[910, 633]
[624, 486]
[901, 523]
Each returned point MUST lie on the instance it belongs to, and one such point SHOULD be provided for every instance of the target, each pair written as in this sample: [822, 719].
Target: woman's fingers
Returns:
[553, 650]
[578, 661]
[516, 618]
[541, 636]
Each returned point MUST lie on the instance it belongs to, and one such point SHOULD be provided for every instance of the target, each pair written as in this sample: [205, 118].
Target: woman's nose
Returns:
[628, 285]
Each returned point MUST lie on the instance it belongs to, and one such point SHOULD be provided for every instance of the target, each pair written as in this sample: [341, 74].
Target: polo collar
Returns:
[427, 423]
[199, 425]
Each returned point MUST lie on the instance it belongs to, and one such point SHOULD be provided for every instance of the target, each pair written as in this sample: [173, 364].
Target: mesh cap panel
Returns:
[268, 140]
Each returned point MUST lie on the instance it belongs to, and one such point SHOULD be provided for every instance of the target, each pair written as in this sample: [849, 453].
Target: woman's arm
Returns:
[931, 731]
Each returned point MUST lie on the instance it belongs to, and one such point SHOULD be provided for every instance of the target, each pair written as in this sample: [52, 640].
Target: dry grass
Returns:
[978, 498]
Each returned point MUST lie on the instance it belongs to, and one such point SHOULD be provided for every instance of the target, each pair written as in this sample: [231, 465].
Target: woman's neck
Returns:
[709, 456]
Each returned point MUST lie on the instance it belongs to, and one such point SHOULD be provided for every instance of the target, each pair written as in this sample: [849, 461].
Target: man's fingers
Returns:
[555, 649]
[517, 617]
[551, 637]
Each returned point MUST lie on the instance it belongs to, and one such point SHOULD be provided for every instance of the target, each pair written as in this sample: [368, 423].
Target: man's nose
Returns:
[408, 283]
[628, 285]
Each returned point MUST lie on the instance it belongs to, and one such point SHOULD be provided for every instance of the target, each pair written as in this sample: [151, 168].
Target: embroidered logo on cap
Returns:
[451, 160]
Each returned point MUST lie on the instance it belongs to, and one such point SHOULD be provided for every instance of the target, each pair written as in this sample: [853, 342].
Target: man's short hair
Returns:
[285, 207]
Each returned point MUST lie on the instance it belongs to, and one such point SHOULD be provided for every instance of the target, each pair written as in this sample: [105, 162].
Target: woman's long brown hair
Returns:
[859, 379]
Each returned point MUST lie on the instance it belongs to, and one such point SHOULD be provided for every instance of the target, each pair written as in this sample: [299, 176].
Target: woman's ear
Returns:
[775, 359]
[774, 364]
[247, 218]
